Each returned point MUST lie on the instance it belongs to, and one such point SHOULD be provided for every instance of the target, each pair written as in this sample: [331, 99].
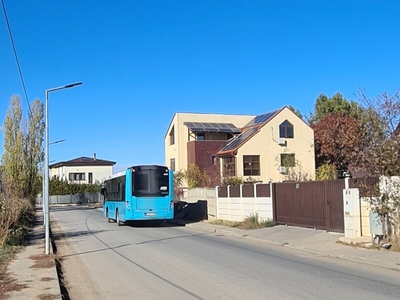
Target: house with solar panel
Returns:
[83, 169]
[262, 148]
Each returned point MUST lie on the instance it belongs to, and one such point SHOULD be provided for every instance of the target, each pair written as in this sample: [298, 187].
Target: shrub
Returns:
[253, 222]
[194, 177]
[15, 217]
[232, 180]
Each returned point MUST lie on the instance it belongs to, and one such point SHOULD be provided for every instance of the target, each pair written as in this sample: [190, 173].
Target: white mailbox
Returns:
[352, 213]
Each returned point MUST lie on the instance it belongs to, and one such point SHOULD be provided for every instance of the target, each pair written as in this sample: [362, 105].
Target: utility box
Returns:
[352, 213]
[376, 225]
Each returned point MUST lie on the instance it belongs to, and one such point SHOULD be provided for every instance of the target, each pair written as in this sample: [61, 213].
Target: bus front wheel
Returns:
[117, 218]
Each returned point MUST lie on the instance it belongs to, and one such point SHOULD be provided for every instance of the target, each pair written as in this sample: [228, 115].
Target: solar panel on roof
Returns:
[238, 140]
[212, 127]
[261, 118]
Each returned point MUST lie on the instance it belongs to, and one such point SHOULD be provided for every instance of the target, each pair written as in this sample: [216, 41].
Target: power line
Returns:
[16, 56]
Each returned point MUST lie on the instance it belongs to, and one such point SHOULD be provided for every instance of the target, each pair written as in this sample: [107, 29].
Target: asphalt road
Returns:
[145, 261]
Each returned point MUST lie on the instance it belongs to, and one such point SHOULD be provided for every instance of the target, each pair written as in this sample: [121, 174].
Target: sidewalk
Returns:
[315, 241]
[34, 273]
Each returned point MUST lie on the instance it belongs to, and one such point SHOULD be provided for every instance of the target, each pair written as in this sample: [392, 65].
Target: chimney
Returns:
[94, 156]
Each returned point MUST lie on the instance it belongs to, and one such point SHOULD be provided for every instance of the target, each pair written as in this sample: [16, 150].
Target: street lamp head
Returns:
[56, 142]
[72, 85]
[62, 87]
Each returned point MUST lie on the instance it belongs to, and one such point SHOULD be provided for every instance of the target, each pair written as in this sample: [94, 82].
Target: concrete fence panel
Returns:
[85, 198]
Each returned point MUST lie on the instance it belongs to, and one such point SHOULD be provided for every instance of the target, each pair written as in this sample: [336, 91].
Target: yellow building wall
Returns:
[265, 144]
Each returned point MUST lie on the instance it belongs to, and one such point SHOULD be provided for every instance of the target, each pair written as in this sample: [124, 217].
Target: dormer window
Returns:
[286, 130]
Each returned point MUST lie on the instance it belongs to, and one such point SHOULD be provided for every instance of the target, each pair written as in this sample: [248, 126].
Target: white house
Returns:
[83, 170]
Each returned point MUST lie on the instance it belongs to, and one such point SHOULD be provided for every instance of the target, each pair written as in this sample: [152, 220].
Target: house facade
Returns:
[274, 146]
[188, 141]
[89, 170]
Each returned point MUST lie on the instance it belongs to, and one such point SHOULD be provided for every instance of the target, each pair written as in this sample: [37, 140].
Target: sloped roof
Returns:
[249, 130]
[239, 140]
[262, 119]
[83, 161]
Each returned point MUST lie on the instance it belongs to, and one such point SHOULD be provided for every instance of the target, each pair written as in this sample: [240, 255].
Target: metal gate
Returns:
[314, 204]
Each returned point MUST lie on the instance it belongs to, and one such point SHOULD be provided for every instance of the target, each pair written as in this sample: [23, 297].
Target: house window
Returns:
[172, 136]
[251, 165]
[213, 160]
[76, 176]
[229, 166]
[90, 177]
[172, 164]
[286, 130]
[288, 160]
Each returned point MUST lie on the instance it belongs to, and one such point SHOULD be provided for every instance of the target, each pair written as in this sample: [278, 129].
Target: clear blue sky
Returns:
[142, 61]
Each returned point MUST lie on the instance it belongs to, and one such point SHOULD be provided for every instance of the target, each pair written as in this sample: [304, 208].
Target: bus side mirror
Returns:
[103, 191]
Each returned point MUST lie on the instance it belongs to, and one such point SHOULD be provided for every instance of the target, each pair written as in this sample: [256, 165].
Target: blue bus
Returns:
[139, 193]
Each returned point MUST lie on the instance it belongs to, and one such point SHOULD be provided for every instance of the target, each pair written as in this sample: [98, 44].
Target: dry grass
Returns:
[42, 261]
[48, 297]
[251, 222]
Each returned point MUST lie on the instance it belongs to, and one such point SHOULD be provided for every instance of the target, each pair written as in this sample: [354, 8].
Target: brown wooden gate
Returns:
[314, 204]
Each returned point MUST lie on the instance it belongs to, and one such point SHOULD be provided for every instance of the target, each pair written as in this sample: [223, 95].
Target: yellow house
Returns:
[274, 146]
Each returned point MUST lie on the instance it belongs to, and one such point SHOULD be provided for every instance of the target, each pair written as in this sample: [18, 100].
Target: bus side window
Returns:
[123, 192]
[103, 191]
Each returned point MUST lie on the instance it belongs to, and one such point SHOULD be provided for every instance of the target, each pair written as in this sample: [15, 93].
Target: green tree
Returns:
[12, 159]
[22, 148]
[336, 104]
[33, 147]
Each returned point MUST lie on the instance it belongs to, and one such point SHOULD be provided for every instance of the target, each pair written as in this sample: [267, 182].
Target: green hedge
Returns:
[58, 187]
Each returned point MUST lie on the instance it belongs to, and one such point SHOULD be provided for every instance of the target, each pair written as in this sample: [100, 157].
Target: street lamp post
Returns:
[46, 167]
[43, 184]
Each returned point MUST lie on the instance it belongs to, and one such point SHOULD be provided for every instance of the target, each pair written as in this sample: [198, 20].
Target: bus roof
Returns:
[115, 175]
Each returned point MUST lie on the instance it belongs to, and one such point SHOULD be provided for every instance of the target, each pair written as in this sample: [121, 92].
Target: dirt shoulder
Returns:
[75, 278]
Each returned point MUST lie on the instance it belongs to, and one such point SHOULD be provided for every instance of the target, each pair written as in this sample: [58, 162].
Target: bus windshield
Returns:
[150, 181]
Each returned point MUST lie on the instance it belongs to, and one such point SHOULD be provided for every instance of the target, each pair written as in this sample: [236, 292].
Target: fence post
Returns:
[272, 194]
[241, 201]
[228, 193]
[255, 198]
[216, 202]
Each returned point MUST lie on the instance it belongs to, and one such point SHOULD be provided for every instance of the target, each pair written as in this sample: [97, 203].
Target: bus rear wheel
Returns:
[108, 217]
[117, 218]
